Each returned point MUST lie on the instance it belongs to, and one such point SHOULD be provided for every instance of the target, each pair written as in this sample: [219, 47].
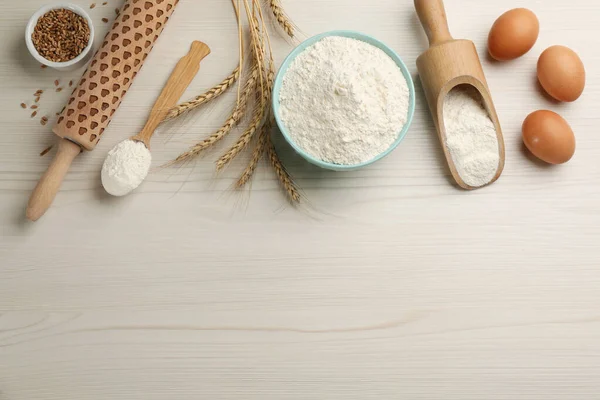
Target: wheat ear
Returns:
[243, 141]
[204, 98]
[284, 177]
[260, 112]
[257, 154]
[282, 19]
[235, 117]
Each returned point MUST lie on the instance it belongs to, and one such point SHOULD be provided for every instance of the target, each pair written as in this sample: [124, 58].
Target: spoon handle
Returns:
[433, 18]
[183, 74]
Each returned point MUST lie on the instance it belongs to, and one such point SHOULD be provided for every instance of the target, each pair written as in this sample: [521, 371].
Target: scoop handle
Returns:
[181, 77]
[433, 18]
[44, 193]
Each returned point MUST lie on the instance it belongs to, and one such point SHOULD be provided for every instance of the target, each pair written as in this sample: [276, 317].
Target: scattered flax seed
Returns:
[105, 20]
[34, 107]
[33, 114]
[59, 89]
[70, 83]
[105, 3]
[93, 5]
[44, 120]
[61, 35]
[46, 151]
[39, 92]
[56, 82]
[43, 66]
[37, 99]
[23, 105]
[117, 11]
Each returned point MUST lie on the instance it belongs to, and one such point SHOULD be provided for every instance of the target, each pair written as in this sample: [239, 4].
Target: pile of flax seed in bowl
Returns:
[61, 35]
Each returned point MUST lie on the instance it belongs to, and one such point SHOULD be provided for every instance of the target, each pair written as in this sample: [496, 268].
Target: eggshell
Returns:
[549, 137]
[561, 73]
[513, 34]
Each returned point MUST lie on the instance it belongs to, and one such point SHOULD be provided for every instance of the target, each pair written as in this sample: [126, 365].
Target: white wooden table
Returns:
[390, 284]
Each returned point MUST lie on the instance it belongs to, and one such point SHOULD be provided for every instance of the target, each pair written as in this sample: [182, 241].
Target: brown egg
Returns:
[513, 34]
[561, 73]
[549, 137]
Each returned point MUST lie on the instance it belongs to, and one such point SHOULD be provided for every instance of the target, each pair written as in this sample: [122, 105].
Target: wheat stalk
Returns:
[261, 111]
[282, 19]
[284, 177]
[235, 117]
[264, 95]
[242, 142]
[257, 154]
[258, 47]
[204, 98]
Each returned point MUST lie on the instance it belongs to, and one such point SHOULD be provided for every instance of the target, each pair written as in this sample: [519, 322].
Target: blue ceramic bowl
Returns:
[353, 35]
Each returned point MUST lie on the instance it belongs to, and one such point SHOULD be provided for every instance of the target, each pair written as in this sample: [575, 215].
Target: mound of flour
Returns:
[344, 101]
[125, 167]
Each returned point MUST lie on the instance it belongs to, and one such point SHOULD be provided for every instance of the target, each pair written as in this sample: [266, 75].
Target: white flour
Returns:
[344, 101]
[470, 136]
[125, 167]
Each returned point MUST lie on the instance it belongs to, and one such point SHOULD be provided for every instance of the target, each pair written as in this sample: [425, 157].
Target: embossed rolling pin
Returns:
[100, 91]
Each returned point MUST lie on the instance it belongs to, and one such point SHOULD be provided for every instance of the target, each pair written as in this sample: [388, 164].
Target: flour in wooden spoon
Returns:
[126, 167]
[344, 101]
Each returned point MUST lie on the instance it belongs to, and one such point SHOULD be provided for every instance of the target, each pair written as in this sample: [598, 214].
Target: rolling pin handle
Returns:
[44, 193]
[433, 18]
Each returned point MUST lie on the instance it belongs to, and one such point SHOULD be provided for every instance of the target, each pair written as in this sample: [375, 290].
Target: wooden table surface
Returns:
[390, 283]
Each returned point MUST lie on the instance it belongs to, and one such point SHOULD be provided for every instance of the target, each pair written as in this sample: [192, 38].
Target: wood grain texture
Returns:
[391, 284]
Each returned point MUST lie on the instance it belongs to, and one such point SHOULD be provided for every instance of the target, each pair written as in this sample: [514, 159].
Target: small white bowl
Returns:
[73, 64]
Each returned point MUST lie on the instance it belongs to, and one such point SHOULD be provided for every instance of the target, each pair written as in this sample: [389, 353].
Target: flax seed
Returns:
[46, 151]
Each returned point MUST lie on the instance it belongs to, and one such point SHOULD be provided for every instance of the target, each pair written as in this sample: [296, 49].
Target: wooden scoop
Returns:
[446, 64]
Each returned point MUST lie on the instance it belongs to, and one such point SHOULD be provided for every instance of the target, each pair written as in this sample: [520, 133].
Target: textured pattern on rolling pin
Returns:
[112, 71]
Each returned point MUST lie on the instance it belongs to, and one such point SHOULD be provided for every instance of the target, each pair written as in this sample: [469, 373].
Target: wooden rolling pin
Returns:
[446, 64]
[101, 90]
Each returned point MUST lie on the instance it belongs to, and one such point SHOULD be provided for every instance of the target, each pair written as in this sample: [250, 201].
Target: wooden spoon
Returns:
[119, 177]
[183, 74]
[446, 64]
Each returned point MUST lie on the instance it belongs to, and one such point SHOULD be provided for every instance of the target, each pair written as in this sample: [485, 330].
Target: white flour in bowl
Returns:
[344, 101]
